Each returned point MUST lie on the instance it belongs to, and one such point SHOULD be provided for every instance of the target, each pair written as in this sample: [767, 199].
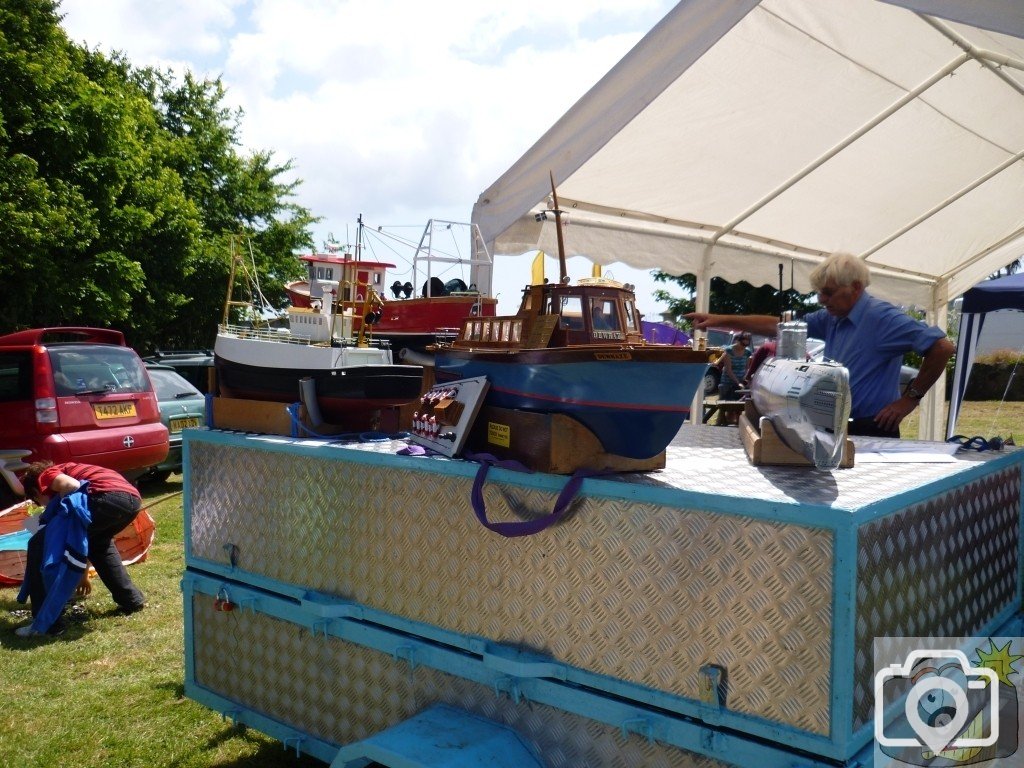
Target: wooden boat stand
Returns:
[273, 418]
[548, 442]
[764, 447]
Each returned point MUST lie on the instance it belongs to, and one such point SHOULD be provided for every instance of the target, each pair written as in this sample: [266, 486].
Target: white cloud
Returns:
[394, 108]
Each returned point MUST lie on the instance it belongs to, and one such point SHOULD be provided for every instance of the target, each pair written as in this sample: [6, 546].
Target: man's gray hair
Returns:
[843, 269]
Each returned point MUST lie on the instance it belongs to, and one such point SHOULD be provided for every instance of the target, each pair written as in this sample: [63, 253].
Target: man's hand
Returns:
[701, 321]
[890, 417]
[84, 588]
[765, 325]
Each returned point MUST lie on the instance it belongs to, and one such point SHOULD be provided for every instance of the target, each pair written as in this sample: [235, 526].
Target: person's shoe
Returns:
[58, 628]
[128, 610]
[54, 631]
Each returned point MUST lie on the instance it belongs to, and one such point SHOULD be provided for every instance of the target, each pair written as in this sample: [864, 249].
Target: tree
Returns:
[119, 191]
[733, 298]
[234, 194]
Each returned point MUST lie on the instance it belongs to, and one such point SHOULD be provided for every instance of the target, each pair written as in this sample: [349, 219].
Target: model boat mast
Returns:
[563, 272]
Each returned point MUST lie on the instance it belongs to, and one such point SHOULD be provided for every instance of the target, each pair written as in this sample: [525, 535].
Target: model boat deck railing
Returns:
[283, 336]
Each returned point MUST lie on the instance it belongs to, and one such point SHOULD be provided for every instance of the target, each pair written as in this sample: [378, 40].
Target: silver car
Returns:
[181, 406]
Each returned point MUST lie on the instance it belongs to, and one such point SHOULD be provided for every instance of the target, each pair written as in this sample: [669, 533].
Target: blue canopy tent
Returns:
[989, 296]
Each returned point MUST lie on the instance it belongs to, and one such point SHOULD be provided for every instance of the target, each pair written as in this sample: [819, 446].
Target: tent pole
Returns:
[931, 424]
[701, 302]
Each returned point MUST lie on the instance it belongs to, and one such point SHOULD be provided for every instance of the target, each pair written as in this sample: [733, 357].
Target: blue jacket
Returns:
[64, 523]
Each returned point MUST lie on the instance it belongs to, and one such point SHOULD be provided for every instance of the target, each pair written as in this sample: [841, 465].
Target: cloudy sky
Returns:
[401, 110]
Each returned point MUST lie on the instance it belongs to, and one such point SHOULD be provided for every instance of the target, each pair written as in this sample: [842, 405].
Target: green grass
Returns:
[109, 692]
[988, 418]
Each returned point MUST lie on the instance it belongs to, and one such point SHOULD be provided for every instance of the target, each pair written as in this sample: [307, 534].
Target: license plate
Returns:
[179, 424]
[114, 410]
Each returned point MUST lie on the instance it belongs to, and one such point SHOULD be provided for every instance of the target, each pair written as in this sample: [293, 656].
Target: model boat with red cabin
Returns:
[416, 314]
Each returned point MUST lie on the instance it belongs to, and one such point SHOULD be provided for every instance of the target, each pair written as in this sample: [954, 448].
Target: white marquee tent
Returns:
[739, 135]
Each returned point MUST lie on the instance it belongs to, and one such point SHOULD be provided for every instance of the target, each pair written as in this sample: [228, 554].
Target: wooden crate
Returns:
[547, 442]
[260, 416]
[272, 418]
[764, 447]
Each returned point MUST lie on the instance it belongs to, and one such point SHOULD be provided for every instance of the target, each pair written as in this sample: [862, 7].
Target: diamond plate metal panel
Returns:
[942, 568]
[700, 457]
[341, 693]
[636, 591]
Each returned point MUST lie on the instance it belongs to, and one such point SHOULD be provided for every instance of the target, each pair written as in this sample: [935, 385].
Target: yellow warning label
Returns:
[499, 434]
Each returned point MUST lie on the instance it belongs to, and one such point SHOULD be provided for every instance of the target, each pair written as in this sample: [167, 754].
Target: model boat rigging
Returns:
[424, 307]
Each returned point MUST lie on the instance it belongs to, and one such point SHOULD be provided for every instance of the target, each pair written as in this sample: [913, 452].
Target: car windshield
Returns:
[170, 386]
[82, 370]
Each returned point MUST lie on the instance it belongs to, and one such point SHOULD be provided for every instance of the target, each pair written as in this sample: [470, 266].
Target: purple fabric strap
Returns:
[524, 527]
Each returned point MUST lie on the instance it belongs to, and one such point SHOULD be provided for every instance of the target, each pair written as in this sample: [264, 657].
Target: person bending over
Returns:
[111, 502]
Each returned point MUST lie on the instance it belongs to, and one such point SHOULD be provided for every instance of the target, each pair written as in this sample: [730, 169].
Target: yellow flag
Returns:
[537, 270]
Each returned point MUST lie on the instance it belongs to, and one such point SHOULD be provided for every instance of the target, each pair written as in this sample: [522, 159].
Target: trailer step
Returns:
[441, 737]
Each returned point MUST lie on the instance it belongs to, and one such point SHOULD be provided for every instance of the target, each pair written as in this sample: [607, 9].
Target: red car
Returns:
[79, 394]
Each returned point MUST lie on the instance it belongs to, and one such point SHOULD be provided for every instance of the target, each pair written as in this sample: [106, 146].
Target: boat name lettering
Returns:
[612, 356]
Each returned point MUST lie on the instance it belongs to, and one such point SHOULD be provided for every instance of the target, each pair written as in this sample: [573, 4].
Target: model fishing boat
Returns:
[578, 349]
[354, 376]
[423, 308]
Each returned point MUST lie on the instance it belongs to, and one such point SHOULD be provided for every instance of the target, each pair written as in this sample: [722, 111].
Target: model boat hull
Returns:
[634, 399]
[351, 383]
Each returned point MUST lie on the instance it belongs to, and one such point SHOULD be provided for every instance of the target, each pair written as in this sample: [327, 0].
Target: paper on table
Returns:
[880, 450]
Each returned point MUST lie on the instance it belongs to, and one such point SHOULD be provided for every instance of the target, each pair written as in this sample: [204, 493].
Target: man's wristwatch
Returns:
[913, 393]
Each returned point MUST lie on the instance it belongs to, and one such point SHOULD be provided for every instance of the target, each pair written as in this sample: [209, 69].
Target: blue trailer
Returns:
[347, 601]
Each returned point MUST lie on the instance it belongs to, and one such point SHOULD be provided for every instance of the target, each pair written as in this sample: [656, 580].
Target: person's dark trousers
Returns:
[34, 571]
[112, 512]
[727, 389]
[866, 427]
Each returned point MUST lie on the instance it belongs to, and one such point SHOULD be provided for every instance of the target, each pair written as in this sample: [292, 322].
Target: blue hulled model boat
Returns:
[579, 350]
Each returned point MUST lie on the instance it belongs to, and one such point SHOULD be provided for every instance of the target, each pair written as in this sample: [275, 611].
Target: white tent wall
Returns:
[740, 135]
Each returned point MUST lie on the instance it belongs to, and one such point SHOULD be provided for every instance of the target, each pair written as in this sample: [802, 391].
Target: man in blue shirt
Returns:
[867, 335]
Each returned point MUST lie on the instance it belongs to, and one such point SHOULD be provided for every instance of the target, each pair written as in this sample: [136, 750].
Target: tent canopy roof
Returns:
[991, 295]
[739, 135]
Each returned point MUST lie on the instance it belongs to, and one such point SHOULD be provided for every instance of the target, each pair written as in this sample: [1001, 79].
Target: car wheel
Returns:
[156, 477]
[710, 382]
